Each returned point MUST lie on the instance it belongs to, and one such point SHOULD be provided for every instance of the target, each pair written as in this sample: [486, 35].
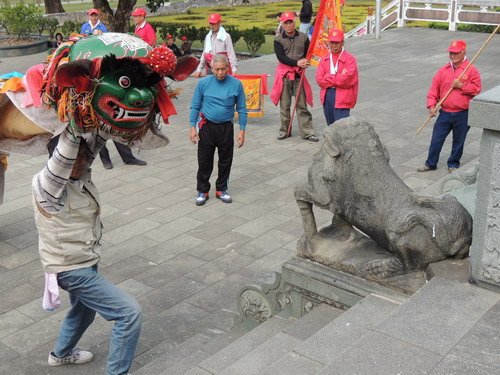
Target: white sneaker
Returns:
[76, 357]
[201, 198]
[223, 196]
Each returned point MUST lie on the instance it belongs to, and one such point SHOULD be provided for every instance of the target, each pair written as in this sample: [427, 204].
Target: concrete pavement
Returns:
[185, 263]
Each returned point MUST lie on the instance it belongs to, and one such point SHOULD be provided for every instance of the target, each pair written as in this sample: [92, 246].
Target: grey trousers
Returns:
[304, 117]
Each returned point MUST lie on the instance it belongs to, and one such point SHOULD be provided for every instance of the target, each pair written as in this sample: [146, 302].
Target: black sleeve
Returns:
[176, 50]
[282, 57]
[306, 47]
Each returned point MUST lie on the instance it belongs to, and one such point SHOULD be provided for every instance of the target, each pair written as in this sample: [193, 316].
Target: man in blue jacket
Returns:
[93, 26]
[214, 101]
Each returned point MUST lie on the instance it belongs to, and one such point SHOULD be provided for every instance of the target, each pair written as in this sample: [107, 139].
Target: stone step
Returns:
[336, 337]
[267, 343]
[170, 357]
[199, 354]
[230, 354]
[446, 327]
[377, 335]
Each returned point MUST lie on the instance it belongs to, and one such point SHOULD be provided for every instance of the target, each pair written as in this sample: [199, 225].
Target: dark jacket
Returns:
[306, 12]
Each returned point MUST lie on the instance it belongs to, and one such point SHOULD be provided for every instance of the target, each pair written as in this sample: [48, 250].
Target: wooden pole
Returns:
[297, 96]
[438, 105]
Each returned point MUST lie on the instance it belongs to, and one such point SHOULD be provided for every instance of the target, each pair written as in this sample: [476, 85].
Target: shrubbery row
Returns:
[21, 20]
[254, 37]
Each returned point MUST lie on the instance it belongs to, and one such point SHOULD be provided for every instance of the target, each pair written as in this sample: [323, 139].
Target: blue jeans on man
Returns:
[447, 122]
[333, 114]
[89, 293]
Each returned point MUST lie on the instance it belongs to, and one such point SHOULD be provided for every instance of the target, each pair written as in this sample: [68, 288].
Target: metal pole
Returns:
[378, 16]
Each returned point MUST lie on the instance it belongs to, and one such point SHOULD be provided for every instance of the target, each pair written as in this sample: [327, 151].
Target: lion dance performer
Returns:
[92, 89]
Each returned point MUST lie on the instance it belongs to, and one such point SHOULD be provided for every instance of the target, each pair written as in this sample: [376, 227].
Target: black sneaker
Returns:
[282, 136]
[136, 162]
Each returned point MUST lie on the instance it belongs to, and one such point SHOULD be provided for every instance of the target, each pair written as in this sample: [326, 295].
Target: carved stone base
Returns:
[304, 284]
[309, 284]
[352, 252]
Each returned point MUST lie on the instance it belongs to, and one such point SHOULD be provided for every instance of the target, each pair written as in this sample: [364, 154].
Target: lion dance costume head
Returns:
[111, 82]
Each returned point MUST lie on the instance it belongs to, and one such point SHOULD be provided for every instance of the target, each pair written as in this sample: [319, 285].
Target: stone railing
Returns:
[484, 113]
[453, 12]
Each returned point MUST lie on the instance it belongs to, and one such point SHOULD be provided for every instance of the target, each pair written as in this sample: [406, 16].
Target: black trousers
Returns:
[212, 136]
[124, 151]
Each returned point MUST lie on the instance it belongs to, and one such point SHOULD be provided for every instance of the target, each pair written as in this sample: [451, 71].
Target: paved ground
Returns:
[184, 263]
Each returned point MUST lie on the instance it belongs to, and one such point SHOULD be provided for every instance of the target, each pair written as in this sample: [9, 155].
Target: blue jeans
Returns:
[445, 123]
[304, 27]
[333, 114]
[89, 293]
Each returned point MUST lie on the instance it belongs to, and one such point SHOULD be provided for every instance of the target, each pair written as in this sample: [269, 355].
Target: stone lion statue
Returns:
[351, 177]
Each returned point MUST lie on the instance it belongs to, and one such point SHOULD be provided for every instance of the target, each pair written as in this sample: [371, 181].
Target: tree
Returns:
[119, 19]
[153, 5]
[69, 27]
[254, 38]
[19, 20]
[41, 24]
[191, 32]
[235, 33]
[53, 6]
[52, 24]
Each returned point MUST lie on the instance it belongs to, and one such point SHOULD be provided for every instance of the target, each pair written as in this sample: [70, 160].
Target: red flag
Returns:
[327, 18]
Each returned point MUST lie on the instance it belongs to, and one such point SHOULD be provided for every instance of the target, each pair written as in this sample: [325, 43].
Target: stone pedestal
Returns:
[304, 284]
[484, 113]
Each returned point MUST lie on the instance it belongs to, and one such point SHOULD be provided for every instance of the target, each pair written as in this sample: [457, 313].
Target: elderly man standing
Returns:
[93, 26]
[142, 28]
[214, 101]
[217, 41]
[291, 48]
[337, 76]
[454, 112]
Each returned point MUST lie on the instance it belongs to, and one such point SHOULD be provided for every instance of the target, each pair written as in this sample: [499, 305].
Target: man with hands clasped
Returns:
[337, 76]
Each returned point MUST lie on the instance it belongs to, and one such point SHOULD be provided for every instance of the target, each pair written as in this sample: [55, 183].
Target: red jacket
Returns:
[146, 33]
[282, 71]
[346, 81]
[459, 99]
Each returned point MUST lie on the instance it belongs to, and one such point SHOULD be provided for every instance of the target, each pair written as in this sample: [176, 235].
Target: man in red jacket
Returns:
[454, 112]
[142, 28]
[337, 76]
